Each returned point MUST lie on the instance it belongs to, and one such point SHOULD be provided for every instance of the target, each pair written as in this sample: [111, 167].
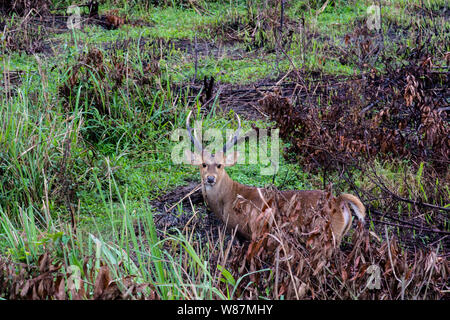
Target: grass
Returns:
[58, 152]
[183, 274]
[226, 70]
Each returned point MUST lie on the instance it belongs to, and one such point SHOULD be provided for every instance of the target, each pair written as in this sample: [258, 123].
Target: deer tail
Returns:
[355, 203]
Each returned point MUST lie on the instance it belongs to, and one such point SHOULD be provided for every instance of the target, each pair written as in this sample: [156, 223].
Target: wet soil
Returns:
[191, 213]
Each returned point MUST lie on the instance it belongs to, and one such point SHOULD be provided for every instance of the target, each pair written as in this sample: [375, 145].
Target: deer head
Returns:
[212, 166]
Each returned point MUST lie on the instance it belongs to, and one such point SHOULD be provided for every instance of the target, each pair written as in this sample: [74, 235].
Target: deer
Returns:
[220, 191]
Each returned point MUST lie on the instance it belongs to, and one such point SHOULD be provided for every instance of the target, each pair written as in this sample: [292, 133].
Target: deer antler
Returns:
[234, 138]
[197, 144]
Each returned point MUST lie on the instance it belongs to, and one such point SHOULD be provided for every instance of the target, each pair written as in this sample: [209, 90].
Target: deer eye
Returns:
[218, 166]
[204, 165]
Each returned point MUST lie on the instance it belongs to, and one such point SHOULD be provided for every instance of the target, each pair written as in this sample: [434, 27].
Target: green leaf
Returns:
[227, 275]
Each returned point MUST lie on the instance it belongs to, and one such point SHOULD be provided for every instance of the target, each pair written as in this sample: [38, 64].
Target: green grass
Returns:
[226, 70]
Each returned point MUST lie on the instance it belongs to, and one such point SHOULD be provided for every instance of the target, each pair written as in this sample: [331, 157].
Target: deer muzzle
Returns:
[210, 180]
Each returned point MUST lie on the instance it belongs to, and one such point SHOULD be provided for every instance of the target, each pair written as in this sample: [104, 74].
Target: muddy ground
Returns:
[173, 214]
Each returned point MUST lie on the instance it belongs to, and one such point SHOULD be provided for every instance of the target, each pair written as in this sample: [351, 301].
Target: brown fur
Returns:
[221, 196]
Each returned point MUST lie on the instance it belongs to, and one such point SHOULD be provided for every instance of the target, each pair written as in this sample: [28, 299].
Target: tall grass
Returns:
[177, 266]
[45, 144]
[32, 137]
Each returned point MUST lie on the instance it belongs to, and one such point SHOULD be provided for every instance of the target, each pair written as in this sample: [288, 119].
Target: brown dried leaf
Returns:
[101, 282]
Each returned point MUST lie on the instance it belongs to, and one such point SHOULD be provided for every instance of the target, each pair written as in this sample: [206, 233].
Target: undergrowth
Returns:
[86, 118]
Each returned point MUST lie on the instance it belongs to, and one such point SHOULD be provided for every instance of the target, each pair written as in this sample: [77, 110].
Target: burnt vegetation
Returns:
[397, 115]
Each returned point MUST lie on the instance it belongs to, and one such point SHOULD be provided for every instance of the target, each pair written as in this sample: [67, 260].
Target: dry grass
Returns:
[306, 264]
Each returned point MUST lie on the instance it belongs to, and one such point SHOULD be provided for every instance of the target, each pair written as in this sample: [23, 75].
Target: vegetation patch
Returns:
[92, 206]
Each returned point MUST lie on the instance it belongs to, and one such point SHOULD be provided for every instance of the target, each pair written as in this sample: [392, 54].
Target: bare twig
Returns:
[187, 195]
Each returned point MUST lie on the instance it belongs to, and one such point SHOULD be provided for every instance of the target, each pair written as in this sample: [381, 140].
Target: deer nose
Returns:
[210, 179]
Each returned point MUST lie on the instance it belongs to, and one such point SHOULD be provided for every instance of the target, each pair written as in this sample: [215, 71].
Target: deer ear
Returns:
[192, 158]
[231, 159]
